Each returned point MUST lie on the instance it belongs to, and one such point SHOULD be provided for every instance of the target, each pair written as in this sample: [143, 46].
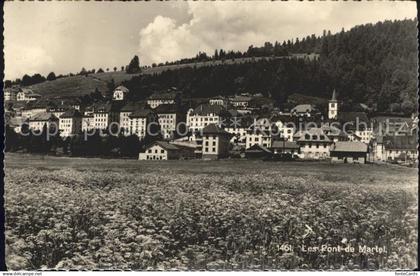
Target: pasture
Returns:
[90, 213]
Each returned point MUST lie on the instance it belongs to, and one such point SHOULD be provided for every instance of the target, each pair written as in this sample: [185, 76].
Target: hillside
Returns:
[75, 86]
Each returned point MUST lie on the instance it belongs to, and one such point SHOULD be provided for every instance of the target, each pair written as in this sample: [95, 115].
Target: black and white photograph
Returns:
[210, 136]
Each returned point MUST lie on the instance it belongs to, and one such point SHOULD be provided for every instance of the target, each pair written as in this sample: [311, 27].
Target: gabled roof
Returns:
[314, 134]
[206, 109]
[350, 147]
[71, 114]
[122, 88]
[165, 145]
[166, 108]
[303, 108]
[132, 106]
[334, 97]
[257, 148]
[284, 144]
[140, 113]
[240, 98]
[214, 129]
[163, 96]
[43, 116]
[345, 117]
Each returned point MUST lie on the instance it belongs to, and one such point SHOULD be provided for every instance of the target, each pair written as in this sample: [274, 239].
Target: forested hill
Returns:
[374, 64]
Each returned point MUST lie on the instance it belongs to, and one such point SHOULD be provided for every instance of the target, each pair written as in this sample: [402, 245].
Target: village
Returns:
[240, 126]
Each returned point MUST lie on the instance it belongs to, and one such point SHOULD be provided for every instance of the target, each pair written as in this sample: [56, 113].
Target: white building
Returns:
[88, 122]
[205, 114]
[120, 93]
[333, 107]
[365, 135]
[27, 95]
[144, 122]
[125, 113]
[37, 122]
[169, 117]
[239, 101]
[104, 115]
[313, 143]
[162, 150]
[10, 94]
[215, 142]
[70, 123]
[218, 100]
[157, 99]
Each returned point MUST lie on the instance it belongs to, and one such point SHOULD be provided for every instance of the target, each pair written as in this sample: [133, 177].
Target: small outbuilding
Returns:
[349, 152]
[257, 151]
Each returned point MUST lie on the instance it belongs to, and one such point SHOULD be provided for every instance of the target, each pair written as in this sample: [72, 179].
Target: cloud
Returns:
[32, 60]
[236, 25]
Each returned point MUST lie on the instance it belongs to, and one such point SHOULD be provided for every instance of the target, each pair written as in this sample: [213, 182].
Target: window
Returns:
[307, 137]
[206, 149]
[317, 146]
[156, 151]
[162, 151]
[214, 143]
[321, 137]
[314, 137]
[214, 149]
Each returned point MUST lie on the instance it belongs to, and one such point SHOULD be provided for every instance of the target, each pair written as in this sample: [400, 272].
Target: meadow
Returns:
[90, 213]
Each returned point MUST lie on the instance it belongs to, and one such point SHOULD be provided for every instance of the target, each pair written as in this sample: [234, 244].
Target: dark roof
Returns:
[165, 145]
[344, 117]
[141, 113]
[163, 96]
[71, 114]
[257, 148]
[350, 147]
[316, 132]
[303, 108]
[400, 142]
[214, 129]
[205, 109]
[166, 108]
[284, 144]
[43, 116]
[132, 106]
[122, 88]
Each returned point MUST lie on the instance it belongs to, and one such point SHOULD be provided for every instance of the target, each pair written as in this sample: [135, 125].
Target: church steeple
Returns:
[333, 98]
[333, 107]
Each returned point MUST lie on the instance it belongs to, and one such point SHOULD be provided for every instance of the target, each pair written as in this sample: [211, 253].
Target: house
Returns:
[38, 121]
[120, 93]
[401, 148]
[59, 108]
[143, 122]
[261, 132]
[169, 118]
[215, 142]
[238, 127]
[218, 100]
[88, 122]
[334, 133]
[70, 123]
[349, 152]
[284, 146]
[257, 152]
[313, 144]
[240, 101]
[205, 114]
[285, 127]
[333, 107]
[304, 110]
[162, 150]
[33, 108]
[124, 115]
[170, 97]
[105, 114]
[10, 93]
[365, 135]
[387, 125]
[353, 121]
[27, 95]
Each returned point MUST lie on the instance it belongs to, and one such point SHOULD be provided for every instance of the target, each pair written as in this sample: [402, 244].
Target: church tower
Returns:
[333, 107]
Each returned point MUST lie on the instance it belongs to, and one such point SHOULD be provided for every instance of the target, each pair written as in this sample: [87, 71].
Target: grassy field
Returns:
[126, 214]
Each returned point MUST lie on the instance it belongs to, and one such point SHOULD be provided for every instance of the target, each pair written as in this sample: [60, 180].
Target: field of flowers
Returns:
[64, 213]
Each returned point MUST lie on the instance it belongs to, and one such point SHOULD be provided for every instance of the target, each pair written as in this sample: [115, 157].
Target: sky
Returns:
[63, 37]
